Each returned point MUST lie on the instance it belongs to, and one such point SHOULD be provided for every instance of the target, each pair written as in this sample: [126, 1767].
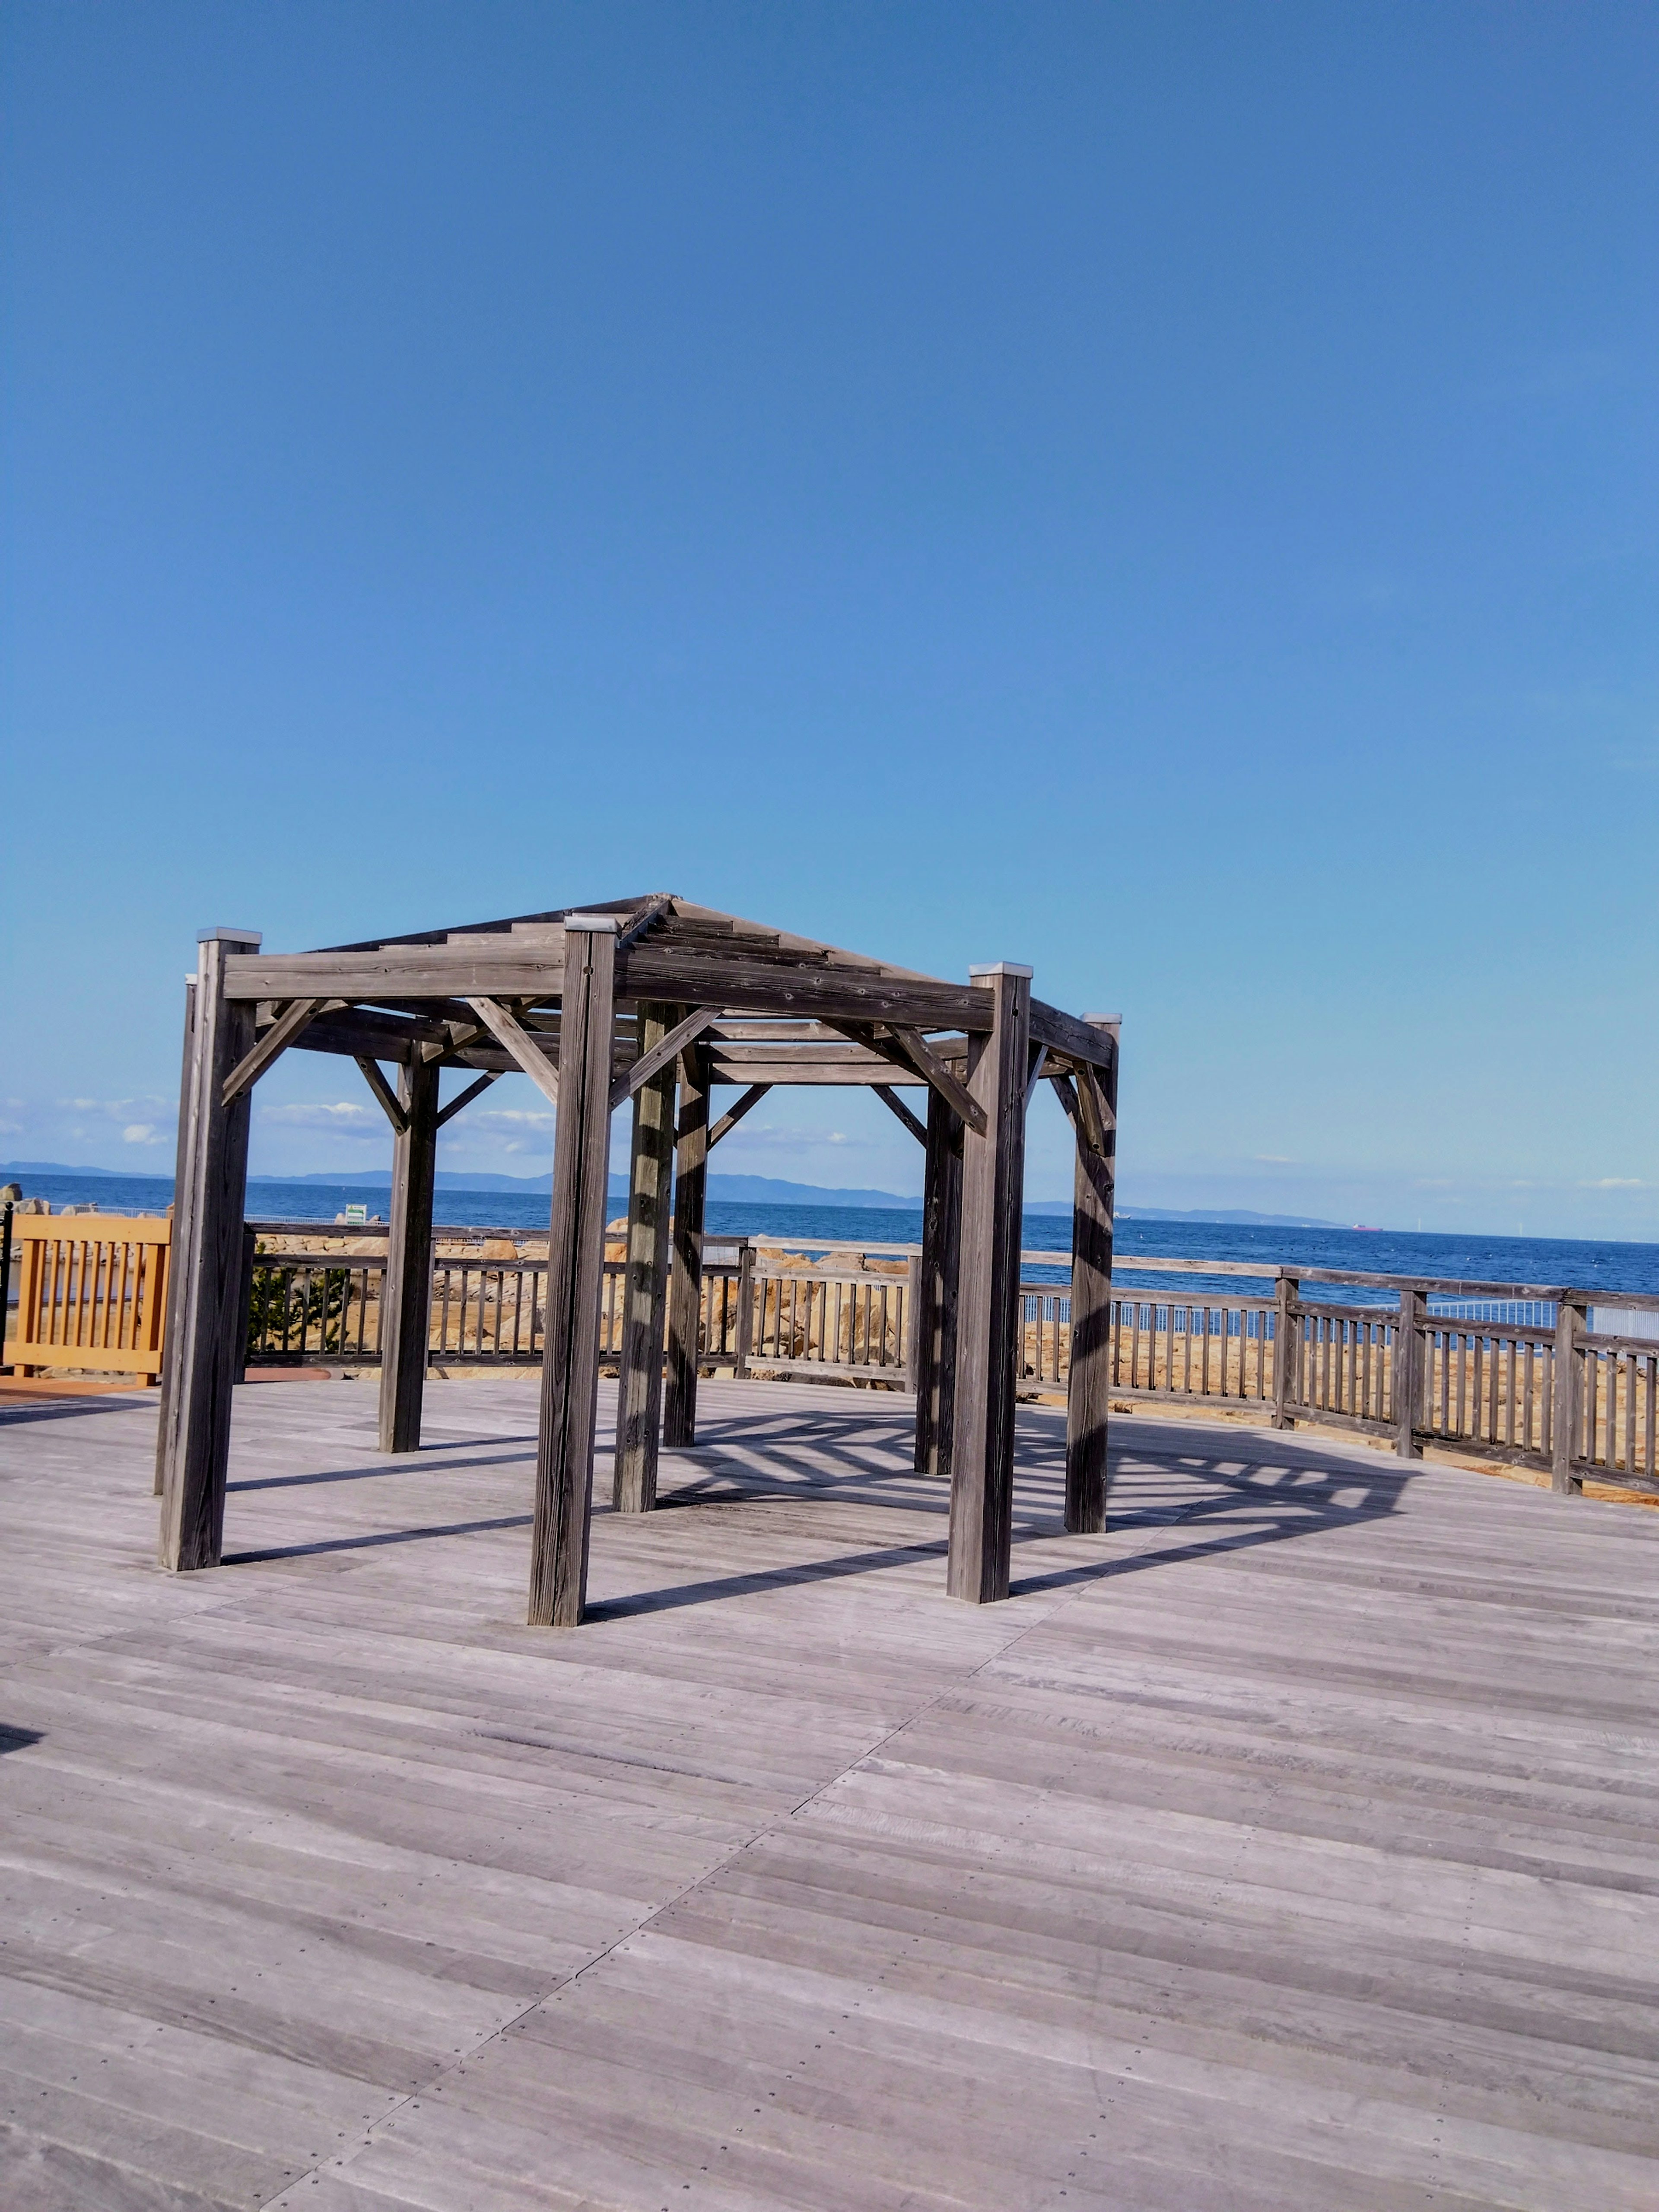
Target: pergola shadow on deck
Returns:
[804, 1447]
[654, 1001]
[1288, 1844]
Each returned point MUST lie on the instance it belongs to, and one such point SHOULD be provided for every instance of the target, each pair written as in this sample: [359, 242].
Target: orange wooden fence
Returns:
[91, 1293]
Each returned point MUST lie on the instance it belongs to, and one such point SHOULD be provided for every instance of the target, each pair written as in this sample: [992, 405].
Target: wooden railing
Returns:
[845, 1323]
[91, 1293]
[1507, 1372]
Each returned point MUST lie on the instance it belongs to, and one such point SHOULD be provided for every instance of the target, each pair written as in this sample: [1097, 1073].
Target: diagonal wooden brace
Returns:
[518, 1047]
[733, 1115]
[891, 1099]
[465, 1097]
[275, 1042]
[388, 1097]
[683, 1034]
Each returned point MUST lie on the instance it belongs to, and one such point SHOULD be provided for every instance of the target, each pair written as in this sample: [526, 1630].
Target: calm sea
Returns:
[1604, 1267]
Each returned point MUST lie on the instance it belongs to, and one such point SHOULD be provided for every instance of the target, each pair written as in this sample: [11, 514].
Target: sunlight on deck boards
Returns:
[1291, 1845]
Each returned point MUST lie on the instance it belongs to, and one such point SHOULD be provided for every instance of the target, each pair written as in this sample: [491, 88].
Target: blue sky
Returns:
[1167, 493]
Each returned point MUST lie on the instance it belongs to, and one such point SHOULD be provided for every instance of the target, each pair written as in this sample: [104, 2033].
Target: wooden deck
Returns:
[1292, 1846]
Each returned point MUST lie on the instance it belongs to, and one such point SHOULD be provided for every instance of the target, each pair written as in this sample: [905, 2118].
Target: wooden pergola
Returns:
[656, 1001]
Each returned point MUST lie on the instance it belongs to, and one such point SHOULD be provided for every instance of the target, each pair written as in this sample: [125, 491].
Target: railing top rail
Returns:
[1126, 1266]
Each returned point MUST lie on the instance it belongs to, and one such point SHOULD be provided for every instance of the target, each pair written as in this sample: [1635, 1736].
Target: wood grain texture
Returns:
[406, 1293]
[575, 1250]
[270, 1047]
[679, 1414]
[522, 1049]
[936, 1300]
[164, 1427]
[989, 1324]
[385, 1097]
[645, 1289]
[1288, 1846]
[1089, 1381]
[202, 1356]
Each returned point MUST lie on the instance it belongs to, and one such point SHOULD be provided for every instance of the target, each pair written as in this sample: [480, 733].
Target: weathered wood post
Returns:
[406, 1290]
[1411, 1353]
[1089, 1382]
[645, 1288]
[679, 1420]
[988, 1300]
[745, 1342]
[935, 1330]
[192, 1449]
[180, 1163]
[1567, 1410]
[1286, 1291]
[912, 1311]
[576, 1266]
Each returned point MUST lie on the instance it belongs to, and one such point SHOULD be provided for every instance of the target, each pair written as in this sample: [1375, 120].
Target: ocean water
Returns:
[1601, 1268]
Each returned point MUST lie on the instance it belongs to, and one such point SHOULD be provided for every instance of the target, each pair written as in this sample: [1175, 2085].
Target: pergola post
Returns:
[180, 1161]
[1089, 1384]
[679, 1420]
[202, 1358]
[988, 1300]
[645, 1290]
[936, 1304]
[406, 1294]
[575, 1262]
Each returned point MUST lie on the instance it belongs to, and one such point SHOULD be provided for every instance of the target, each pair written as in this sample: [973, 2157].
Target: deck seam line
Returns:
[776, 1821]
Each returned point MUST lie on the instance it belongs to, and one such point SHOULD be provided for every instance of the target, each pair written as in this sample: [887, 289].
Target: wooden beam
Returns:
[988, 1323]
[961, 1099]
[360, 1032]
[464, 1098]
[651, 968]
[406, 1291]
[1085, 1040]
[741, 1067]
[457, 1036]
[649, 914]
[528, 1056]
[910, 1050]
[826, 993]
[387, 1098]
[645, 1286]
[275, 1042]
[936, 1290]
[894, 1105]
[202, 1355]
[665, 1049]
[1091, 1119]
[679, 1418]
[1039, 1056]
[575, 1262]
[733, 1115]
[860, 1058]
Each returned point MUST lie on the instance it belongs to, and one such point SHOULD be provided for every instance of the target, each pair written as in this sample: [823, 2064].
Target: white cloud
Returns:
[346, 1118]
[511, 1119]
[1614, 1182]
[141, 1133]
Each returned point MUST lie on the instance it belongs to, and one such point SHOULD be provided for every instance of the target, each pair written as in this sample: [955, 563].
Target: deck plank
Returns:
[1289, 1844]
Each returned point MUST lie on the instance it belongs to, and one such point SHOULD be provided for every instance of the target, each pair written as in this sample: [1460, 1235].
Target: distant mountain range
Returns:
[723, 1190]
